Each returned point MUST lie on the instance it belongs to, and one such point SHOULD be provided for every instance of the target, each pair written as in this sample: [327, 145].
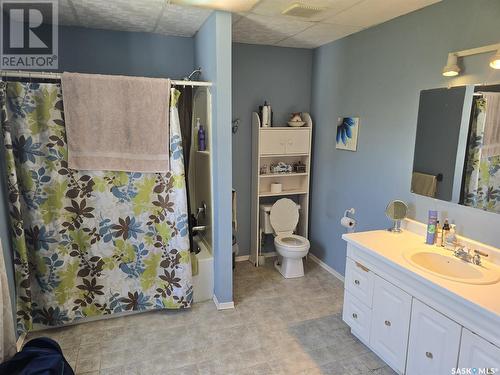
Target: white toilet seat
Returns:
[292, 242]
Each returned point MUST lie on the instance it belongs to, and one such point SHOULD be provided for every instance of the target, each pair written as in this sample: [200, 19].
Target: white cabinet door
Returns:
[390, 323]
[434, 342]
[476, 352]
[297, 141]
[359, 281]
[272, 142]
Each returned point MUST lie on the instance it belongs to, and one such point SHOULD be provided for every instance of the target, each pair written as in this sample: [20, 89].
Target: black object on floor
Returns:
[40, 356]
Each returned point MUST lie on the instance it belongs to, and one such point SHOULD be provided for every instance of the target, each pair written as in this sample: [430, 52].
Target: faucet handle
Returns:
[478, 252]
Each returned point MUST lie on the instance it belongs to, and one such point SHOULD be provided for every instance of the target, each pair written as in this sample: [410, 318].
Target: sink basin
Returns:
[449, 267]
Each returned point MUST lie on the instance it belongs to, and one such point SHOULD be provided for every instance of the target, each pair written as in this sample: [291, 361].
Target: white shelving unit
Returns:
[269, 146]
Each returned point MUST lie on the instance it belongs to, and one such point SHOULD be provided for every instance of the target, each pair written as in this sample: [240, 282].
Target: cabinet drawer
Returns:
[390, 323]
[357, 316]
[359, 281]
[279, 142]
[476, 352]
[434, 342]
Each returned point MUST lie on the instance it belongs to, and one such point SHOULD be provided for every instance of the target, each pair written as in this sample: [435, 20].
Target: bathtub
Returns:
[203, 282]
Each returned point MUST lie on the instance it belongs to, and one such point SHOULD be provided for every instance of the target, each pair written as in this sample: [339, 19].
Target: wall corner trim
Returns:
[223, 305]
[326, 267]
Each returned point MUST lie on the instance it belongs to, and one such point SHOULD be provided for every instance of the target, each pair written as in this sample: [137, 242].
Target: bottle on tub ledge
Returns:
[202, 146]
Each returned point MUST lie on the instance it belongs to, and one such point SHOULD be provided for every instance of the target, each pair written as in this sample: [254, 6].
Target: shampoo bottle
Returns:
[201, 139]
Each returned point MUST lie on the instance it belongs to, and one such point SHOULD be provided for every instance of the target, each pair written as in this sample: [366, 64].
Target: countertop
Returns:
[389, 248]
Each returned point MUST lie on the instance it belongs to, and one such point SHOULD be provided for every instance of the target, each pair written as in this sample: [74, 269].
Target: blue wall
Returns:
[129, 53]
[282, 76]
[213, 54]
[378, 74]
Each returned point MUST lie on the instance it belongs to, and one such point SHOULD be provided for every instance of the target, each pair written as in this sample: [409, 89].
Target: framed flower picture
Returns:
[347, 133]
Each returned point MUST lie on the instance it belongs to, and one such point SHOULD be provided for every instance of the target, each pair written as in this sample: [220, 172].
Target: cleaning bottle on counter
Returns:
[450, 242]
[439, 234]
[431, 228]
[444, 232]
[201, 136]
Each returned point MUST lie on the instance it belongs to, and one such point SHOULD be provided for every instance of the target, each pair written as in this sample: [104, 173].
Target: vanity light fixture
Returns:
[452, 69]
[495, 60]
[227, 5]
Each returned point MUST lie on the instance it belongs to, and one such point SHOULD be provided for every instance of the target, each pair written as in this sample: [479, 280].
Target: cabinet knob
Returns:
[429, 355]
[356, 282]
[355, 316]
[387, 323]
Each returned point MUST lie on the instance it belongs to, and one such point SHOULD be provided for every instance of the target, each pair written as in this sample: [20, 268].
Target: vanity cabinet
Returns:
[476, 352]
[413, 338]
[390, 323]
[434, 342]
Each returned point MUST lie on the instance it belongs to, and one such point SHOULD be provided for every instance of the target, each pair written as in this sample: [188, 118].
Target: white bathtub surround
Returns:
[203, 282]
[415, 320]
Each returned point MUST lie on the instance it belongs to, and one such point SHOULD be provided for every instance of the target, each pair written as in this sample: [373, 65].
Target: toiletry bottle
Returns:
[439, 234]
[451, 238]
[196, 130]
[431, 227]
[201, 139]
[445, 231]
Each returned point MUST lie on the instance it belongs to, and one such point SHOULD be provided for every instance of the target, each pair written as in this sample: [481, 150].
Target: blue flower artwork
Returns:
[347, 133]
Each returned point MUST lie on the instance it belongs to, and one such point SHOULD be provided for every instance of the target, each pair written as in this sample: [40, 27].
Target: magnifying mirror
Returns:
[396, 211]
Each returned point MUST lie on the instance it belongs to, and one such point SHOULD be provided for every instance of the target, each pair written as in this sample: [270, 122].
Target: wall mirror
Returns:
[457, 146]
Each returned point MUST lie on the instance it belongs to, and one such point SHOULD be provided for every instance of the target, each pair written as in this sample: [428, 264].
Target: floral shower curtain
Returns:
[482, 169]
[88, 243]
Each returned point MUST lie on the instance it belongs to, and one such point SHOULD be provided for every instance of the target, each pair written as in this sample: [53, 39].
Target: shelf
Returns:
[285, 128]
[281, 155]
[284, 192]
[283, 175]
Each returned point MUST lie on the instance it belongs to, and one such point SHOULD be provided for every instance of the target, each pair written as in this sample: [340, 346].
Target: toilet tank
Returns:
[264, 220]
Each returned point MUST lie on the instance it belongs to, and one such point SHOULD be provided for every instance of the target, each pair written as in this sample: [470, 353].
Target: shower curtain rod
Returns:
[49, 75]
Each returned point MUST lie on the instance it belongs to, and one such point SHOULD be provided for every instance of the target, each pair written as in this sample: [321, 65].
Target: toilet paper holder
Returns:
[350, 211]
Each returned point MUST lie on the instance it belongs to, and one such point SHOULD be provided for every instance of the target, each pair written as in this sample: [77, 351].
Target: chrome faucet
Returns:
[464, 253]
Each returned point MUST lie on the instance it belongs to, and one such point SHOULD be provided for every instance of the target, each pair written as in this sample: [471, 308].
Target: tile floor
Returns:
[278, 327]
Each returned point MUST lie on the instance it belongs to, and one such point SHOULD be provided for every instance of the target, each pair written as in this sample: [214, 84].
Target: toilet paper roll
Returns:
[347, 222]
[276, 188]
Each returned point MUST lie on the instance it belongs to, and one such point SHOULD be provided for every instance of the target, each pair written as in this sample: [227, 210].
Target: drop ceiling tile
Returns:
[260, 29]
[319, 34]
[119, 14]
[372, 12]
[66, 14]
[276, 7]
[181, 21]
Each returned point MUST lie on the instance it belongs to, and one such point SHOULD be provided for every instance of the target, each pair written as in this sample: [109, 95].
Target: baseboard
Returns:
[326, 267]
[242, 258]
[270, 254]
[20, 341]
[223, 305]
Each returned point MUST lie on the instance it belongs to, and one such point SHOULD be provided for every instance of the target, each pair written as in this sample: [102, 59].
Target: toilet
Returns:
[281, 219]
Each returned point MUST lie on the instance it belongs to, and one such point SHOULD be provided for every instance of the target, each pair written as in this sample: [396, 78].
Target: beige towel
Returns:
[491, 137]
[424, 184]
[116, 123]
[8, 338]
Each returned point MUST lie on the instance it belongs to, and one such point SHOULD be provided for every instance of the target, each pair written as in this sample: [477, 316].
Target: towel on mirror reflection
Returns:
[116, 123]
[491, 137]
[424, 184]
